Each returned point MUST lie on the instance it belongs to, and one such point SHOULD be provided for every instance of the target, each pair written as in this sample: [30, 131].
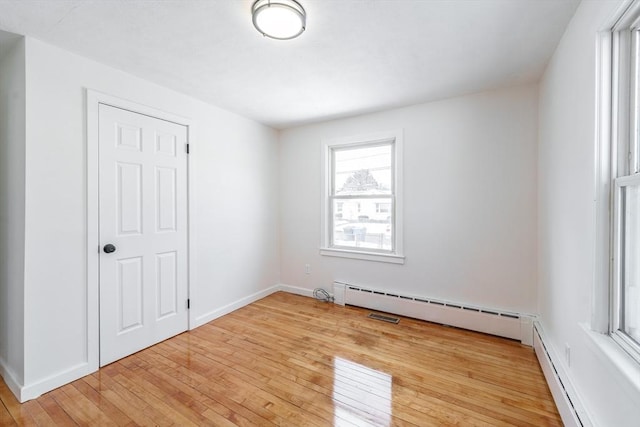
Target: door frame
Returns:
[93, 101]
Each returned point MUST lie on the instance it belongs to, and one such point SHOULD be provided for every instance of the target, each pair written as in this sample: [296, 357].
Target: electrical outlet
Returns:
[307, 269]
[567, 354]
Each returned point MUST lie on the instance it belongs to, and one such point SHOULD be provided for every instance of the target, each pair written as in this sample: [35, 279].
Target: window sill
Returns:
[367, 256]
[627, 368]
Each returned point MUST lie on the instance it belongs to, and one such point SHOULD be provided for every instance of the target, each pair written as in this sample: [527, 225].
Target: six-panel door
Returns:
[143, 214]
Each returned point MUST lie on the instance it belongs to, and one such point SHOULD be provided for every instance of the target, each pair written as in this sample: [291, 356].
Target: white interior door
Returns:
[143, 216]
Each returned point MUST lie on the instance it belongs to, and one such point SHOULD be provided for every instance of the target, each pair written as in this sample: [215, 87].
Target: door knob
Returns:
[108, 248]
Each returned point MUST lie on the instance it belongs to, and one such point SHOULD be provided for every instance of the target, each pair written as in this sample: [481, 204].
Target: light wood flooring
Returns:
[290, 360]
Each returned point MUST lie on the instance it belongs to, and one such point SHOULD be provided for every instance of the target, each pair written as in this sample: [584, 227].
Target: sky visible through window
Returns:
[376, 160]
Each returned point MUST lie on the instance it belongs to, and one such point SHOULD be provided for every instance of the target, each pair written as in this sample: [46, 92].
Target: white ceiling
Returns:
[356, 56]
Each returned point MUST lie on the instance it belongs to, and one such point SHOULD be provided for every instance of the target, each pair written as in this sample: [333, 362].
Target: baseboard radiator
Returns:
[561, 395]
[495, 322]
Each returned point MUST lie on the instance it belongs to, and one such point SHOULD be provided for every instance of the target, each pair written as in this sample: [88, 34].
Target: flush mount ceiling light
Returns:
[279, 19]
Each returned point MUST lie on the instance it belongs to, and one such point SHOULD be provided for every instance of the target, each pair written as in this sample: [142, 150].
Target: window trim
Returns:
[326, 222]
[615, 113]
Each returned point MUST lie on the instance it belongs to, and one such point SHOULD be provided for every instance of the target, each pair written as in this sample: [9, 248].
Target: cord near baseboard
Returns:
[322, 295]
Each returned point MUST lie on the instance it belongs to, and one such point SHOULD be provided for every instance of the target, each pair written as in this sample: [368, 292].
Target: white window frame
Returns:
[617, 165]
[396, 256]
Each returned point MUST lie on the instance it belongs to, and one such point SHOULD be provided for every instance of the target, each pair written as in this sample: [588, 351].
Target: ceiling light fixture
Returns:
[279, 19]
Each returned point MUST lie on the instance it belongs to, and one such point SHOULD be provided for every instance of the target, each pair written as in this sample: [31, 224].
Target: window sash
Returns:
[332, 197]
[350, 147]
[391, 213]
[617, 169]
[618, 312]
[634, 85]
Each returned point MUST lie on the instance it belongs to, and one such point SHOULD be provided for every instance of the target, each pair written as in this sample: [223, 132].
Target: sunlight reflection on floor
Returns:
[362, 395]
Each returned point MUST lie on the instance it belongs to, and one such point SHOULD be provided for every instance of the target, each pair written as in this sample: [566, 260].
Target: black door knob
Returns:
[108, 248]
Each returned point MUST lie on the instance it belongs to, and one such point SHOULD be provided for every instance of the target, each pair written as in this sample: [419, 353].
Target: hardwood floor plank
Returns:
[482, 389]
[79, 407]
[297, 394]
[186, 403]
[451, 410]
[103, 403]
[288, 360]
[272, 340]
[508, 393]
[5, 417]
[38, 413]
[128, 402]
[328, 368]
[283, 370]
[55, 412]
[18, 413]
[500, 372]
[282, 402]
[230, 400]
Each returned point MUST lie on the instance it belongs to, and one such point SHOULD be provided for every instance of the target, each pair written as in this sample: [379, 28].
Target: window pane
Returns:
[362, 170]
[630, 323]
[358, 224]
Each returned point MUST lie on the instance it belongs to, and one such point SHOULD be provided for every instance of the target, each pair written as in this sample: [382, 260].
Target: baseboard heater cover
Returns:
[495, 322]
[561, 395]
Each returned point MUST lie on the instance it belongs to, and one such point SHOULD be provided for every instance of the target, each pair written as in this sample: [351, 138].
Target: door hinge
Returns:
[187, 148]
[188, 304]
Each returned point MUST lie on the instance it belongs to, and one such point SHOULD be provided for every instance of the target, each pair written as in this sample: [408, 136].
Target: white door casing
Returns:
[143, 213]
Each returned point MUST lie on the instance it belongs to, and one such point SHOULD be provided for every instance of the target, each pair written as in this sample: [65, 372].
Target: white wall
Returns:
[566, 219]
[470, 201]
[12, 181]
[235, 183]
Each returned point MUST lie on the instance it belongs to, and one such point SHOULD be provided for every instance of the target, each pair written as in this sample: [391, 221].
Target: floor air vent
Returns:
[384, 318]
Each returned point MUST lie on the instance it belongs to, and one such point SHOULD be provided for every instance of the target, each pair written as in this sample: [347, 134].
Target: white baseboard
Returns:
[219, 312]
[567, 401]
[296, 290]
[10, 378]
[35, 390]
[25, 392]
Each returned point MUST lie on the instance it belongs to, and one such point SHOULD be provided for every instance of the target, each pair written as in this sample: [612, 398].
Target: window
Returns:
[362, 198]
[625, 305]
[626, 321]
[383, 207]
[618, 233]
